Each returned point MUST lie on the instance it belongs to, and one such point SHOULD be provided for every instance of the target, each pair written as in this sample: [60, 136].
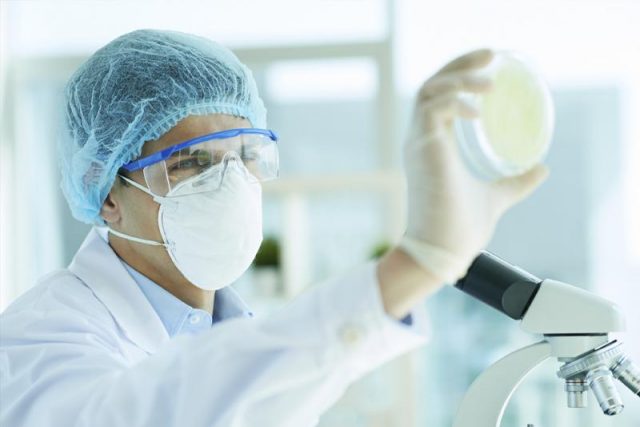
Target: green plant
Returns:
[379, 250]
[269, 253]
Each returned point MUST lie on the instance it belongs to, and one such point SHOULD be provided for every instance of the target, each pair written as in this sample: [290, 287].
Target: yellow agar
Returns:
[515, 115]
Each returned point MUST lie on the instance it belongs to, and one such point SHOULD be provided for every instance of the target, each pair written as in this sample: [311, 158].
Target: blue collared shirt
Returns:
[179, 317]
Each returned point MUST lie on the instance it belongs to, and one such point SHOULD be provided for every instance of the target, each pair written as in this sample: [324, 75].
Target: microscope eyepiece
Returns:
[503, 286]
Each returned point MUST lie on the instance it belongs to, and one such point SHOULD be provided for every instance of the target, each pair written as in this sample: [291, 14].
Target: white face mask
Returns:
[211, 237]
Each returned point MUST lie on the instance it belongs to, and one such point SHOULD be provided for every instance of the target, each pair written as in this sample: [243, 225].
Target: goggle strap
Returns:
[138, 186]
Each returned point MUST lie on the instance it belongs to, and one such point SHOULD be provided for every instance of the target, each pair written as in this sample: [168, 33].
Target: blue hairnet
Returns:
[135, 89]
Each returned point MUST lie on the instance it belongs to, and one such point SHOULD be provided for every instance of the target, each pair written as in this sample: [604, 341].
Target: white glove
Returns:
[452, 214]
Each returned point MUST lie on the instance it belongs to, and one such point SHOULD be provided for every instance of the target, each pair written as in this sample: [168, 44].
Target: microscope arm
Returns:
[487, 398]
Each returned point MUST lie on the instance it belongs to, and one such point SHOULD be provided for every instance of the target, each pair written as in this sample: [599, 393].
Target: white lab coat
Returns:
[85, 348]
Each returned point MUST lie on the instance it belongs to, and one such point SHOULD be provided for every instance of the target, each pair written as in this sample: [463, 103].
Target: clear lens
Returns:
[258, 153]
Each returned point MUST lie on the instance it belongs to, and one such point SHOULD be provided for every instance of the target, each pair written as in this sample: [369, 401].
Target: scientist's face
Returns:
[132, 211]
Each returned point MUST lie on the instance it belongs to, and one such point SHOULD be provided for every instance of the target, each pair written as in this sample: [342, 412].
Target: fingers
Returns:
[470, 61]
[461, 74]
[439, 101]
[519, 187]
[454, 82]
[450, 106]
[438, 113]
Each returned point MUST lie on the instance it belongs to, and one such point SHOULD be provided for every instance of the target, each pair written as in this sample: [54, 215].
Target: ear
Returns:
[110, 210]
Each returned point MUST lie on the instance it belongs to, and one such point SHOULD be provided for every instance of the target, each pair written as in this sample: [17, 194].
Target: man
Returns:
[167, 149]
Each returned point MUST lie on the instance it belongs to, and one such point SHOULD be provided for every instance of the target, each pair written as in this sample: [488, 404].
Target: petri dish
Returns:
[515, 126]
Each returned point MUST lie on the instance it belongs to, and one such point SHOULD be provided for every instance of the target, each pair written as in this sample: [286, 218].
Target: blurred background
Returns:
[338, 78]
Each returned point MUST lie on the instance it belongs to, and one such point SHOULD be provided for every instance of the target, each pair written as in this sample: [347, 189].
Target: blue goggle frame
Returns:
[167, 152]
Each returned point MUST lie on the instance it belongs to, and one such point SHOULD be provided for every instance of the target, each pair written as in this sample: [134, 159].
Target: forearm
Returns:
[403, 283]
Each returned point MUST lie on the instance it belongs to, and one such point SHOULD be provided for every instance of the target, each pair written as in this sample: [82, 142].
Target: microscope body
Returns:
[575, 325]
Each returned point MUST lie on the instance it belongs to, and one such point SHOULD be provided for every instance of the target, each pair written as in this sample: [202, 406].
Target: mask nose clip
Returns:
[214, 176]
[232, 160]
[231, 156]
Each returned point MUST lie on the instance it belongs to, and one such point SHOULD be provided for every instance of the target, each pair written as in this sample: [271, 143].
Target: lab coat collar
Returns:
[98, 266]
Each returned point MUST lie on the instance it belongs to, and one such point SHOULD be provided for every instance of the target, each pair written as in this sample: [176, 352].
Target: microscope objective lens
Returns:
[628, 374]
[601, 383]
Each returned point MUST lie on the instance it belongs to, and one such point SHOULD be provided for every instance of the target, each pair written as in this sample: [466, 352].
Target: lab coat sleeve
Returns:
[62, 367]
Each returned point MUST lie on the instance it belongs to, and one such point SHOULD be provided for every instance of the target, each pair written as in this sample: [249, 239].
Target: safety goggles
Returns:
[208, 156]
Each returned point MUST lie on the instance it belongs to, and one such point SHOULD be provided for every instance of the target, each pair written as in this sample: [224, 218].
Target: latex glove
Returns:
[452, 214]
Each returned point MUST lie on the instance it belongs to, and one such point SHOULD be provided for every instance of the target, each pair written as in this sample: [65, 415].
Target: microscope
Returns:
[575, 325]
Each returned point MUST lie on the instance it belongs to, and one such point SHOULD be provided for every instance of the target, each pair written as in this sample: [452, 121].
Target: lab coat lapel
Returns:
[99, 267]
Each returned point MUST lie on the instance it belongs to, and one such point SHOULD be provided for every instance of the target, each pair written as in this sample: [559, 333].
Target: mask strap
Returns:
[133, 238]
[136, 239]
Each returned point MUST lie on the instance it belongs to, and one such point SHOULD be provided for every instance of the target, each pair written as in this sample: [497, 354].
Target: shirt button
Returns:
[194, 318]
[350, 335]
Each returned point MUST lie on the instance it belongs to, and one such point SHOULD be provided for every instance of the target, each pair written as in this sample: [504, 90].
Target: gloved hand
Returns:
[451, 213]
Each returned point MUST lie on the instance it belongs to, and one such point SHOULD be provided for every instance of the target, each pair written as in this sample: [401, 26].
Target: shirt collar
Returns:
[179, 317]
